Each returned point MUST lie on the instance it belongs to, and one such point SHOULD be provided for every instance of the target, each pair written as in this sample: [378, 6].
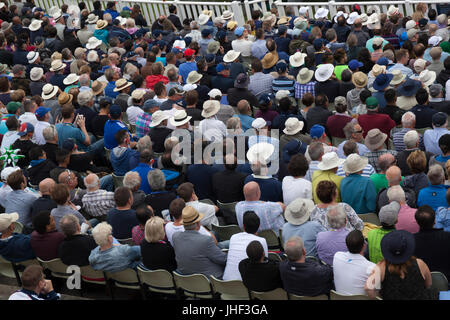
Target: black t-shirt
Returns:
[196, 115]
[25, 146]
[160, 201]
[75, 250]
[260, 277]
[98, 125]
[122, 222]
[160, 255]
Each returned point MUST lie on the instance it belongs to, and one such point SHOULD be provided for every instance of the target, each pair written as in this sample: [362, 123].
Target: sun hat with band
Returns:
[179, 118]
[382, 81]
[203, 19]
[305, 75]
[359, 79]
[297, 59]
[122, 84]
[398, 246]
[101, 24]
[299, 211]
[227, 15]
[98, 87]
[355, 163]
[193, 77]
[64, 98]
[32, 56]
[329, 161]
[57, 65]
[71, 79]
[374, 139]
[324, 72]
[49, 91]
[190, 215]
[91, 19]
[210, 108]
[138, 94]
[260, 152]
[35, 25]
[269, 60]
[36, 73]
[6, 219]
[427, 77]
[158, 117]
[293, 126]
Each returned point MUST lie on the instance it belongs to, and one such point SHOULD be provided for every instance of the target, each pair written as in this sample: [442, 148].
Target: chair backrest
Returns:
[157, 280]
[229, 211]
[277, 294]
[370, 218]
[194, 285]
[18, 227]
[272, 239]
[336, 296]
[92, 276]
[6, 268]
[274, 256]
[230, 290]
[319, 297]
[56, 267]
[118, 180]
[127, 278]
[225, 232]
[128, 241]
[439, 281]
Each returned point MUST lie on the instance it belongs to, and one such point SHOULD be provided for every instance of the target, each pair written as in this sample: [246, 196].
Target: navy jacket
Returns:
[270, 188]
[17, 248]
[120, 33]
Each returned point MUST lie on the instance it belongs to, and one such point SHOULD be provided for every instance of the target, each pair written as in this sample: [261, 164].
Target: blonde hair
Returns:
[154, 229]
[417, 15]
[130, 23]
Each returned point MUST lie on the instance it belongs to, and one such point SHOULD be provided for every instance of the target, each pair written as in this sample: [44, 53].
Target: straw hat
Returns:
[374, 139]
[56, 56]
[329, 161]
[32, 56]
[231, 25]
[299, 211]
[360, 79]
[93, 43]
[101, 24]
[398, 77]
[193, 77]
[210, 108]
[324, 72]
[71, 79]
[364, 18]
[305, 75]
[355, 163]
[231, 56]
[64, 98]
[98, 87]
[158, 117]
[293, 126]
[269, 60]
[36, 73]
[138, 94]
[180, 117]
[57, 65]
[57, 15]
[427, 77]
[49, 91]
[92, 18]
[377, 70]
[190, 215]
[122, 84]
[227, 15]
[207, 12]
[284, 20]
[270, 17]
[297, 59]
[260, 152]
[35, 25]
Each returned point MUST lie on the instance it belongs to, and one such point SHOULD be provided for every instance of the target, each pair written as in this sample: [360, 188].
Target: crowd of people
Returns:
[115, 128]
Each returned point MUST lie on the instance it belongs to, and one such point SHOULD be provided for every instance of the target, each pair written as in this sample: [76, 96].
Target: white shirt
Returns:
[447, 90]
[133, 112]
[209, 212]
[351, 272]
[294, 188]
[237, 252]
[212, 129]
[243, 46]
[171, 229]
[28, 117]
[38, 138]
[8, 139]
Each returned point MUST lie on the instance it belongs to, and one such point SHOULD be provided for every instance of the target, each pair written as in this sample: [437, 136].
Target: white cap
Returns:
[214, 93]
[259, 123]
[7, 171]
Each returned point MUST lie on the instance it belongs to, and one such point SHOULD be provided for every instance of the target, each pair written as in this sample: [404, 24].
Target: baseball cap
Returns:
[115, 110]
[25, 128]
[150, 103]
[354, 64]
[206, 32]
[282, 29]
[423, 22]
[439, 119]
[6, 219]
[317, 131]
[189, 52]
[222, 66]
[7, 171]
[41, 111]
[12, 106]
[220, 35]
[68, 144]
[264, 99]
[383, 61]
[371, 103]
[210, 57]
[239, 31]
[389, 213]
[281, 66]
[340, 100]
[259, 123]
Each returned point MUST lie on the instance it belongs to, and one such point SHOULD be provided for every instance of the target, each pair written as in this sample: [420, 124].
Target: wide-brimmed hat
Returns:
[98, 87]
[101, 24]
[93, 43]
[409, 88]
[190, 215]
[427, 77]
[230, 56]
[398, 246]
[5, 26]
[321, 13]
[92, 18]
[227, 15]
[377, 70]
[284, 20]
[210, 108]
[259, 123]
[122, 84]
[49, 91]
[193, 77]
[269, 60]
[304, 76]
[374, 139]
[242, 81]
[57, 65]
[36, 73]
[6, 219]
[158, 117]
[324, 72]
[71, 79]
[355, 163]
[419, 65]
[137, 94]
[203, 19]
[382, 81]
[64, 98]
[352, 17]
[230, 26]
[398, 77]
[297, 59]
[300, 23]
[57, 14]
[373, 22]
[359, 79]
[293, 126]
[35, 25]
[179, 118]
[364, 17]
[32, 56]
[299, 211]
[207, 12]
[268, 16]
[213, 47]
[179, 44]
[329, 161]
[260, 152]
[393, 10]
[340, 13]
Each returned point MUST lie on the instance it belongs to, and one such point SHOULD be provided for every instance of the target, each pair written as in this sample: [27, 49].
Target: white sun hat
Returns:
[297, 59]
[35, 25]
[329, 161]
[260, 152]
[321, 13]
[324, 72]
[293, 126]
[158, 117]
[93, 43]
[71, 79]
[179, 118]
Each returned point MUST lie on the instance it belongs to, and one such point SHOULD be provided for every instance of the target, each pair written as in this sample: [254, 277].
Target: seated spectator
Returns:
[227, 185]
[270, 187]
[269, 213]
[40, 166]
[350, 147]
[50, 138]
[405, 218]
[122, 217]
[257, 272]
[159, 199]
[432, 244]
[423, 111]
[75, 247]
[239, 243]
[444, 145]
[327, 194]
[374, 119]
[156, 253]
[195, 252]
[110, 257]
[375, 142]
[24, 144]
[293, 131]
[431, 137]
[45, 240]
[122, 154]
[96, 202]
[45, 202]
[443, 214]
[336, 123]
[244, 114]
[318, 134]
[67, 129]
[434, 195]
[143, 213]
[410, 279]
[318, 114]
[411, 140]
[295, 185]
[385, 161]
[159, 130]
[327, 169]
[12, 134]
[14, 247]
[35, 286]
[408, 124]
[297, 214]
[211, 128]
[304, 277]
[315, 151]
[417, 165]
[112, 126]
[145, 165]
[132, 181]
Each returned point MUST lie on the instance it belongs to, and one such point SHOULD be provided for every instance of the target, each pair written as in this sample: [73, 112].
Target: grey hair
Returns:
[336, 217]
[233, 123]
[436, 174]
[144, 143]
[84, 97]
[194, 25]
[49, 133]
[130, 69]
[92, 56]
[408, 119]
[315, 150]
[389, 54]
[85, 81]
[396, 193]
[69, 224]
[349, 129]
[156, 180]
[101, 233]
[411, 139]
[294, 248]
[170, 143]
[94, 183]
[132, 180]
[107, 17]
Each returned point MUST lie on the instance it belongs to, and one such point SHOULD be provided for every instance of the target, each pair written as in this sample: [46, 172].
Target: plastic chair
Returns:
[7, 269]
[295, 297]
[118, 181]
[127, 279]
[439, 281]
[194, 285]
[57, 268]
[128, 241]
[370, 218]
[273, 242]
[159, 281]
[90, 275]
[230, 290]
[277, 294]
[229, 211]
[225, 232]
[336, 296]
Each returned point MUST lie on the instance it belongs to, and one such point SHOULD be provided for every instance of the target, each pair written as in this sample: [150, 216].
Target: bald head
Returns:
[394, 176]
[92, 182]
[252, 191]
[385, 161]
[46, 185]
[243, 106]
[139, 51]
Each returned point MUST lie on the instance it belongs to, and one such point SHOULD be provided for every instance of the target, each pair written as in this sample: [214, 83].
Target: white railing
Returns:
[152, 9]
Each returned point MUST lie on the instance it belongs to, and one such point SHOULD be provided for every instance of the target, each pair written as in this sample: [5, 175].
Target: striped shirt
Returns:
[283, 83]
[143, 124]
[399, 144]
[301, 89]
[97, 203]
[367, 171]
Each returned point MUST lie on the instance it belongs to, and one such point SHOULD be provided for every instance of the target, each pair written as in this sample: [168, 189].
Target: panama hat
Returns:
[122, 84]
[260, 152]
[297, 59]
[203, 19]
[36, 73]
[35, 25]
[324, 72]
[284, 20]
[179, 118]
[138, 94]
[355, 163]
[213, 47]
[32, 56]
[269, 60]
[398, 77]
[374, 139]
[57, 15]
[321, 13]
[398, 246]
[299, 211]
[190, 215]
[56, 56]
[207, 12]
[231, 25]
[352, 17]
[158, 117]
[93, 43]
[393, 10]
[231, 56]
[6, 219]
[98, 87]
[373, 22]
[293, 126]
[303, 10]
[268, 16]
[427, 77]
[282, 94]
[64, 98]
[227, 15]
[329, 161]
[193, 77]
[359, 79]
[92, 18]
[101, 24]
[57, 65]
[305, 75]
[210, 108]
[377, 70]
[71, 79]
[49, 91]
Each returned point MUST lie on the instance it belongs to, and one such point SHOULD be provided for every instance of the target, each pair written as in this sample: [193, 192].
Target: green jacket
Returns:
[374, 241]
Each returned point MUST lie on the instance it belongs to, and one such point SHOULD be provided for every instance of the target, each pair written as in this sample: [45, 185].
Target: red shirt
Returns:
[376, 121]
[153, 79]
[336, 123]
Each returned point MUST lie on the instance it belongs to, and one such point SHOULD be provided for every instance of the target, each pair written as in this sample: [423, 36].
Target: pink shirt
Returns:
[406, 220]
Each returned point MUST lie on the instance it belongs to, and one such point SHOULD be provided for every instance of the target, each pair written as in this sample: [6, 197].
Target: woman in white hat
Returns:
[211, 128]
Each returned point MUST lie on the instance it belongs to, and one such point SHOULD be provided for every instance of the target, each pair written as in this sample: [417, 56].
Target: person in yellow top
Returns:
[327, 169]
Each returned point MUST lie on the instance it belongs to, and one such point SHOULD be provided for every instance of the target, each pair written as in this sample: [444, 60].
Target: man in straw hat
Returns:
[375, 141]
[211, 128]
[364, 200]
[196, 252]
[327, 169]
[123, 87]
[137, 101]
[159, 130]
[57, 79]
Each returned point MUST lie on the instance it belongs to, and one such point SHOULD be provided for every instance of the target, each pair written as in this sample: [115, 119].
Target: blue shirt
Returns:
[259, 49]
[115, 259]
[109, 90]
[363, 201]
[111, 127]
[307, 231]
[362, 149]
[185, 68]
[405, 70]
[271, 188]
[143, 169]
[16, 248]
[380, 97]
[246, 121]
[68, 130]
[431, 138]
[443, 218]
[434, 196]
[21, 202]
[122, 221]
